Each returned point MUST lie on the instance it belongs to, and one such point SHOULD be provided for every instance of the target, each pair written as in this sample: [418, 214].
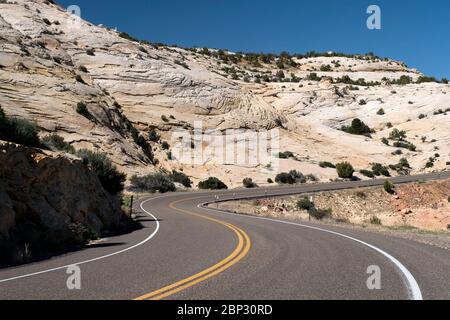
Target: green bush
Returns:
[111, 179]
[153, 182]
[305, 204]
[153, 136]
[345, 170]
[212, 183]
[126, 36]
[19, 131]
[378, 169]
[83, 69]
[398, 135]
[388, 187]
[290, 177]
[326, 164]
[83, 110]
[358, 127]
[321, 214]
[285, 155]
[165, 145]
[381, 112]
[367, 173]
[181, 177]
[325, 68]
[248, 183]
[56, 143]
[375, 220]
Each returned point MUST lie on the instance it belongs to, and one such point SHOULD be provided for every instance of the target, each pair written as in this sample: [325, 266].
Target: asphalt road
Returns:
[187, 251]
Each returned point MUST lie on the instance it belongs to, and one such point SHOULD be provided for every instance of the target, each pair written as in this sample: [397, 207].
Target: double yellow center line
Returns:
[241, 250]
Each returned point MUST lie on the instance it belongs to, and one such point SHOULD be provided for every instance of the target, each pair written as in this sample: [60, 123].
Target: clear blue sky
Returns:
[415, 31]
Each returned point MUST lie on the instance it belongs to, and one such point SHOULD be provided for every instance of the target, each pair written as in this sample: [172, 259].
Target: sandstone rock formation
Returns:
[49, 63]
[48, 202]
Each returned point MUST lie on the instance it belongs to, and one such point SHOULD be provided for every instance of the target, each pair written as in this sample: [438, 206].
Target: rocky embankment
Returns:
[422, 206]
[50, 203]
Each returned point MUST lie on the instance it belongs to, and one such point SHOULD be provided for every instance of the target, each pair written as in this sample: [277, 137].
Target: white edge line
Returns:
[98, 258]
[413, 288]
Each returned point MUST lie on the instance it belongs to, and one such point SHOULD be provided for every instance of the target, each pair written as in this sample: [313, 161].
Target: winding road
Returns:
[189, 251]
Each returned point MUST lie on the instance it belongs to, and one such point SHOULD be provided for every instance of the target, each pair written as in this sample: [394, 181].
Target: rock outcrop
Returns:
[49, 63]
[49, 202]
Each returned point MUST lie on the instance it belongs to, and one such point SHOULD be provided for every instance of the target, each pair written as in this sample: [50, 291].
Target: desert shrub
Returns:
[290, 177]
[181, 177]
[385, 141]
[425, 79]
[285, 155]
[358, 127]
[141, 142]
[164, 118]
[367, 173]
[83, 110]
[19, 131]
[79, 79]
[212, 183]
[397, 135]
[404, 163]
[448, 199]
[83, 69]
[153, 136]
[378, 169]
[345, 170]
[153, 182]
[298, 176]
[405, 145]
[422, 116]
[165, 145]
[110, 178]
[46, 21]
[90, 52]
[362, 102]
[56, 143]
[270, 181]
[388, 186]
[248, 183]
[325, 68]
[321, 214]
[381, 112]
[326, 164]
[375, 220]
[126, 36]
[284, 178]
[305, 204]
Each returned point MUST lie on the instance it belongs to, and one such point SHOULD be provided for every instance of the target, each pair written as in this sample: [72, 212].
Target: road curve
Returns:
[187, 251]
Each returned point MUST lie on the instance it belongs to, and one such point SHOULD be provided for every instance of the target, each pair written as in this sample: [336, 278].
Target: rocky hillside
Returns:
[137, 93]
[50, 202]
[423, 206]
